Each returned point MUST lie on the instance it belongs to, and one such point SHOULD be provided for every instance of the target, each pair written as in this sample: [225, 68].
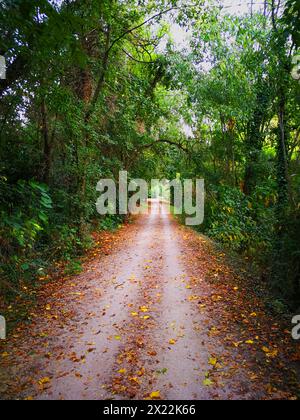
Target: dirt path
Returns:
[145, 322]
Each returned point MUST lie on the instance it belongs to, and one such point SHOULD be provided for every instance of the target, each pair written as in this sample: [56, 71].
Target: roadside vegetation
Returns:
[95, 87]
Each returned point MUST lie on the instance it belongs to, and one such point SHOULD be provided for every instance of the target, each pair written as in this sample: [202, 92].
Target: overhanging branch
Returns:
[139, 26]
[136, 60]
[171, 143]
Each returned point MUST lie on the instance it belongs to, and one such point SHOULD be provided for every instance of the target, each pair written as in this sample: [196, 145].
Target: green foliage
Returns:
[292, 18]
[73, 268]
[78, 104]
[67, 241]
[286, 260]
[22, 223]
[228, 220]
[21, 227]
[96, 87]
[240, 222]
[111, 223]
[245, 107]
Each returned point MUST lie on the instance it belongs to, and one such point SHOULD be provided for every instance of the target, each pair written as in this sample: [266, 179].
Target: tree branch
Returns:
[108, 49]
[139, 26]
[274, 16]
[136, 60]
[101, 77]
[171, 143]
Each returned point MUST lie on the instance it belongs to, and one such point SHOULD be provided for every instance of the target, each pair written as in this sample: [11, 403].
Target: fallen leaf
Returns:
[162, 371]
[270, 353]
[143, 309]
[44, 381]
[155, 395]
[207, 382]
[213, 361]
[134, 380]
[141, 372]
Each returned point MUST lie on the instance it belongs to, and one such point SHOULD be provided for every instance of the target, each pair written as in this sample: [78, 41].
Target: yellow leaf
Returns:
[135, 380]
[250, 342]
[141, 372]
[44, 381]
[192, 298]
[122, 371]
[48, 308]
[134, 313]
[155, 395]
[117, 337]
[253, 315]
[5, 354]
[270, 353]
[216, 298]
[143, 309]
[207, 382]
[213, 361]
[172, 342]
[146, 317]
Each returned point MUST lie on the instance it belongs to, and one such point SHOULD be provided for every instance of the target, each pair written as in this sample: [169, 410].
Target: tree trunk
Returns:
[282, 163]
[255, 139]
[47, 152]
[90, 109]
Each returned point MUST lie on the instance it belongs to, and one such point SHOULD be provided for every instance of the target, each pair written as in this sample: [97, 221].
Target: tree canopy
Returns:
[94, 87]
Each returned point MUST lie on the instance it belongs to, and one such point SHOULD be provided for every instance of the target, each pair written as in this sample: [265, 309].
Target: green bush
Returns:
[228, 218]
[24, 213]
[111, 222]
[238, 221]
[74, 267]
[286, 260]
[25, 209]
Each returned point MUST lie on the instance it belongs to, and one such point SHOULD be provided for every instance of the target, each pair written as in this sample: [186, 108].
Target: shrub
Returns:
[238, 221]
[25, 209]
